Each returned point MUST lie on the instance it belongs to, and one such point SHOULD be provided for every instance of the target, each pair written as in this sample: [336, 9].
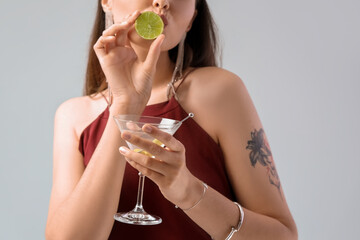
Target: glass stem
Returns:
[140, 194]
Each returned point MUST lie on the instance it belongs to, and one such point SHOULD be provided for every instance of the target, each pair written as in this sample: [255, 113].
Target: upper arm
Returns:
[68, 164]
[248, 157]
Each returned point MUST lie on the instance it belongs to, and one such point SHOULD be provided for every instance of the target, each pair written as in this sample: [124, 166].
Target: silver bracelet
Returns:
[202, 196]
[241, 220]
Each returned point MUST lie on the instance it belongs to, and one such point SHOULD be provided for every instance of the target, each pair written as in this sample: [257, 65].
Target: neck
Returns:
[164, 70]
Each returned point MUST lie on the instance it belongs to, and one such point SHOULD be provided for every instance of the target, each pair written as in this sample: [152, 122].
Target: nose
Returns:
[161, 4]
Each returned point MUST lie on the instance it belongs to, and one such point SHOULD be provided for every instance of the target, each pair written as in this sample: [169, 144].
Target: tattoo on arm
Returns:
[261, 153]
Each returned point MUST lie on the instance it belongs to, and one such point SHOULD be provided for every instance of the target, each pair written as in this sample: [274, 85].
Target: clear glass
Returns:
[133, 124]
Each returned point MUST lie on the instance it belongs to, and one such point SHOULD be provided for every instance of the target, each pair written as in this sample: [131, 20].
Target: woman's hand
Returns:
[167, 169]
[130, 80]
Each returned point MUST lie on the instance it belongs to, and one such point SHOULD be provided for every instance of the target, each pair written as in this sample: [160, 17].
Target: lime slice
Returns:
[142, 152]
[158, 142]
[149, 25]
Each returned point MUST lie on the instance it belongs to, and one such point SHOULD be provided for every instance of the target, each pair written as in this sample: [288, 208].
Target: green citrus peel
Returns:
[149, 25]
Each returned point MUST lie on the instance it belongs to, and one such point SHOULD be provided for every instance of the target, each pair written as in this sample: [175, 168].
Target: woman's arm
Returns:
[250, 167]
[83, 201]
[222, 106]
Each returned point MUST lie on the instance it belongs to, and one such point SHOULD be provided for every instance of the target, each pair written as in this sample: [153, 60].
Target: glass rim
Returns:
[127, 117]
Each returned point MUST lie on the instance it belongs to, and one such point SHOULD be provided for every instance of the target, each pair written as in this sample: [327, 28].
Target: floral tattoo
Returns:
[261, 153]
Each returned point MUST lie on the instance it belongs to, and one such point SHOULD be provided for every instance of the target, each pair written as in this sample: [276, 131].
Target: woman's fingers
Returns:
[115, 35]
[145, 164]
[121, 26]
[153, 54]
[119, 31]
[148, 146]
[167, 139]
[103, 44]
[167, 167]
[165, 147]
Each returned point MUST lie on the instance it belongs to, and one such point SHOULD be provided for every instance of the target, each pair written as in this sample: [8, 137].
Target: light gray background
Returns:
[299, 59]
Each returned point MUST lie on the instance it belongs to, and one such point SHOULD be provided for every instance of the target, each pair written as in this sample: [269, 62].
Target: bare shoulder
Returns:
[214, 77]
[77, 113]
[215, 85]
[226, 99]
[214, 92]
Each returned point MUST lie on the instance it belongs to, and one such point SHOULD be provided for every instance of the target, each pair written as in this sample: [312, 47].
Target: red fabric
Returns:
[204, 159]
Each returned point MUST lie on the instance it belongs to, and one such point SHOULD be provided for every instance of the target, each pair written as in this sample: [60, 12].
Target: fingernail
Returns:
[147, 129]
[123, 150]
[126, 136]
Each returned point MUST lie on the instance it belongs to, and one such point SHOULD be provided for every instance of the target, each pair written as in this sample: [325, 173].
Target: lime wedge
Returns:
[149, 25]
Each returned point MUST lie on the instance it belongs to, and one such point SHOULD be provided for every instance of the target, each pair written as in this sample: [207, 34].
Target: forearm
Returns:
[216, 215]
[87, 213]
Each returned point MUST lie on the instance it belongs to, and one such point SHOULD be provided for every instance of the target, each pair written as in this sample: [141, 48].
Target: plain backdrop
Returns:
[300, 61]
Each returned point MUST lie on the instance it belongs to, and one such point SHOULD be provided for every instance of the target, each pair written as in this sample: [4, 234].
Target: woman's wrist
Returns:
[192, 195]
[118, 107]
[205, 188]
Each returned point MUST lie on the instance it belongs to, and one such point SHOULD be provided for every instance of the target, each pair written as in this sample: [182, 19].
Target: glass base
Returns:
[137, 218]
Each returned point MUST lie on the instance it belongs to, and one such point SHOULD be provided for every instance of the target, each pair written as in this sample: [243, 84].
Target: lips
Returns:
[163, 17]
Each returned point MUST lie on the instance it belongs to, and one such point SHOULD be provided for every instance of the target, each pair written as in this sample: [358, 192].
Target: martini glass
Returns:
[133, 124]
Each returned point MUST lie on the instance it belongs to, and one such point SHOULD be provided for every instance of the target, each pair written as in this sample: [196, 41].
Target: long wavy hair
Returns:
[201, 47]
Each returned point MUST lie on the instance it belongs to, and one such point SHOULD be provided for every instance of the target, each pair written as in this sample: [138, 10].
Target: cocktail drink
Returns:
[133, 124]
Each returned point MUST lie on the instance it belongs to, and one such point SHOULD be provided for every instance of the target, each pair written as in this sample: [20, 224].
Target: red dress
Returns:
[204, 159]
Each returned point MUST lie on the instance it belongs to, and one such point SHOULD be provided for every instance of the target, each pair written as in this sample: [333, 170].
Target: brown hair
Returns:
[201, 47]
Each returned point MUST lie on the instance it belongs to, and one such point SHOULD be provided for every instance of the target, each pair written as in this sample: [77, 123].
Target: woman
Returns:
[226, 148]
